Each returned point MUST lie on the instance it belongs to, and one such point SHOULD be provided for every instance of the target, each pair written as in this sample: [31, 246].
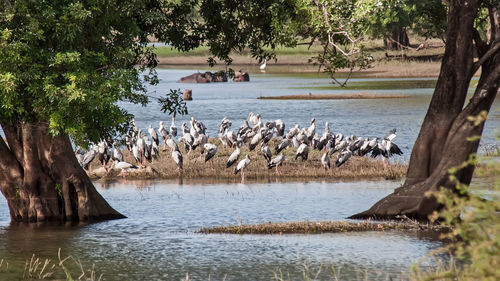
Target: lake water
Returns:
[366, 118]
[159, 239]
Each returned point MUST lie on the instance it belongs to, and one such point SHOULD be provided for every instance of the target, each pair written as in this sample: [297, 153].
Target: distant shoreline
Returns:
[299, 64]
[333, 96]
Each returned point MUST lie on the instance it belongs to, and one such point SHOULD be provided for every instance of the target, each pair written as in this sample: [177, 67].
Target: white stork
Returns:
[177, 157]
[117, 153]
[242, 165]
[302, 152]
[266, 152]
[325, 161]
[343, 157]
[280, 128]
[233, 157]
[282, 145]
[173, 128]
[164, 134]
[153, 134]
[277, 161]
[211, 150]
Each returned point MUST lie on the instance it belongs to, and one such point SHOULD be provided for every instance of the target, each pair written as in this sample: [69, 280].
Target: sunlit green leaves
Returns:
[478, 119]
[72, 63]
[69, 63]
[473, 215]
[9, 99]
[174, 103]
[475, 235]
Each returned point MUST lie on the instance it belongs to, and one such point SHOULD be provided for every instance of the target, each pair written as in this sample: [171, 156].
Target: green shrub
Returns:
[474, 217]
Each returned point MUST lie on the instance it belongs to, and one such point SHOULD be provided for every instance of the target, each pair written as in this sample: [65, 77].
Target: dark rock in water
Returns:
[241, 76]
[206, 77]
[188, 94]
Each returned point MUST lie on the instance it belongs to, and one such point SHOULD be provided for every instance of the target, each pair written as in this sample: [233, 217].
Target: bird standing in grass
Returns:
[280, 128]
[103, 155]
[153, 134]
[89, 157]
[117, 153]
[171, 143]
[343, 157]
[266, 152]
[255, 141]
[177, 157]
[325, 161]
[302, 152]
[164, 134]
[211, 150]
[283, 144]
[188, 141]
[185, 129]
[233, 157]
[311, 130]
[242, 165]
[173, 128]
[276, 162]
[368, 146]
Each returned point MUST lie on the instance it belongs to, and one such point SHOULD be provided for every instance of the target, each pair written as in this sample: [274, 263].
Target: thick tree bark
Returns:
[443, 139]
[42, 180]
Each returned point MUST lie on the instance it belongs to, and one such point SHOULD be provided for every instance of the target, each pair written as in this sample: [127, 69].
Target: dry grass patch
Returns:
[356, 168]
[307, 227]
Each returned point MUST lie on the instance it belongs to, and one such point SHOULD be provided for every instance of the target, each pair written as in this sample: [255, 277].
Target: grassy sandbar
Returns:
[357, 168]
[333, 96]
[308, 227]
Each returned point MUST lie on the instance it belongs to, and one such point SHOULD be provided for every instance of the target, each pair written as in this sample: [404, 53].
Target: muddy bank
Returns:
[297, 64]
[333, 96]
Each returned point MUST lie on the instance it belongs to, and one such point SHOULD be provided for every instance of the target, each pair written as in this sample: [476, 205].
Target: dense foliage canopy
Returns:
[68, 63]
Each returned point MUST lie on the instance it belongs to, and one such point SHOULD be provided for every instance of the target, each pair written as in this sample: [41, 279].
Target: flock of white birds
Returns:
[251, 134]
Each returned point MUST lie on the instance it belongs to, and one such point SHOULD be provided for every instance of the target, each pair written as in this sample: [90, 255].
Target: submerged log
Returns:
[188, 94]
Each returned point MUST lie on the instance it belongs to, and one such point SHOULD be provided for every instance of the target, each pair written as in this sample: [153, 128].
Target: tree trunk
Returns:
[443, 139]
[397, 40]
[42, 180]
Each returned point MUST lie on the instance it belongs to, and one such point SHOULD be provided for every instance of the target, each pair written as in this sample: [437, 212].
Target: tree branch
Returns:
[493, 23]
[481, 44]
[494, 47]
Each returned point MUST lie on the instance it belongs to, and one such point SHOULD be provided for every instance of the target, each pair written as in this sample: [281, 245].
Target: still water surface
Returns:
[158, 240]
[366, 118]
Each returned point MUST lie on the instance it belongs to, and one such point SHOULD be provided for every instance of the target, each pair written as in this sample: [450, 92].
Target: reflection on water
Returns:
[158, 240]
